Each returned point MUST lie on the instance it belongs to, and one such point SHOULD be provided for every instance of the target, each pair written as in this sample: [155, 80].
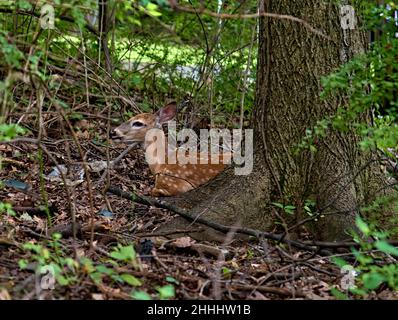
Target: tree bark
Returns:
[338, 177]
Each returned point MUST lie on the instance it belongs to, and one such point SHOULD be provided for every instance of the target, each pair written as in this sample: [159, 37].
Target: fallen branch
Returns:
[314, 246]
[165, 233]
[219, 227]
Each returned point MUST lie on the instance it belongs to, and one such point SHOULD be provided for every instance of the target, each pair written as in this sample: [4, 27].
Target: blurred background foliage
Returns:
[143, 52]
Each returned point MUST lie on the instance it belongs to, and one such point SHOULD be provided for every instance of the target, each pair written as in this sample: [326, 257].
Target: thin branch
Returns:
[175, 6]
[189, 216]
[305, 245]
[37, 15]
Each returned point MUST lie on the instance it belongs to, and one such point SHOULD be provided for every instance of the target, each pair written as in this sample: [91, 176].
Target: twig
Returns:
[305, 245]
[165, 233]
[174, 5]
[225, 229]
[117, 160]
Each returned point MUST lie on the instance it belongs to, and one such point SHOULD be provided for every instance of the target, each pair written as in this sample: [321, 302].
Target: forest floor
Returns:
[196, 270]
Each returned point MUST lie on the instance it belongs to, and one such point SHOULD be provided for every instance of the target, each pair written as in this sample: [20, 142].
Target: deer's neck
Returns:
[156, 153]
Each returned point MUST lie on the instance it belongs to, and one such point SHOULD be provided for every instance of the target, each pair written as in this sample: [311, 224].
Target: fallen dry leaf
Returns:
[183, 242]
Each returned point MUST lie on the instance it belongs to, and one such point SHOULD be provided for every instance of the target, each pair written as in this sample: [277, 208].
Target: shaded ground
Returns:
[237, 270]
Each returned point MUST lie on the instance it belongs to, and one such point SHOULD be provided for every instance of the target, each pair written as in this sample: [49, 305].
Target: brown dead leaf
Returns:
[259, 269]
[183, 242]
[98, 296]
[80, 253]
[313, 296]
[40, 223]
[83, 124]
[84, 135]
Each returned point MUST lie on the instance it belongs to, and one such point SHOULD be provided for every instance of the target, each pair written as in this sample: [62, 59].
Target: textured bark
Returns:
[291, 62]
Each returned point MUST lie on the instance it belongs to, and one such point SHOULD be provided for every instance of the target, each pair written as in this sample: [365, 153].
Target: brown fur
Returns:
[171, 179]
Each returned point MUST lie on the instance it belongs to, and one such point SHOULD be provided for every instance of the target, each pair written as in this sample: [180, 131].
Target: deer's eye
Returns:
[137, 124]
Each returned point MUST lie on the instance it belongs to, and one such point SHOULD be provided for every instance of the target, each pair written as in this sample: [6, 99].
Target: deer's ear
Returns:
[167, 113]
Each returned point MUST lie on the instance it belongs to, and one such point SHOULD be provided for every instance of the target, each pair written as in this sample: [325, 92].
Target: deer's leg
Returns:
[167, 186]
[159, 192]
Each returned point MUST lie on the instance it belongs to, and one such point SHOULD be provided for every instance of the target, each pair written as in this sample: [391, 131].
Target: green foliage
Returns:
[309, 207]
[367, 87]
[67, 270]
[226, 272]
[7, 209]
[176, 56]
[172, 280]
[126, 254]
[51, 258]
[140, 295]
[289, 209]
[372, 269]
[172, 55]
[166, 292]
[370, 84]
[10, 131]
[12, 55]
[24, 4]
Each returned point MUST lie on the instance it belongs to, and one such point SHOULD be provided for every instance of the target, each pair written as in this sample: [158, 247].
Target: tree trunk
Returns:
[291, 62]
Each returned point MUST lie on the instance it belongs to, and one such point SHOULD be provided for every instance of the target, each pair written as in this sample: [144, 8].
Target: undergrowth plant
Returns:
[376, 262]
[52, 262]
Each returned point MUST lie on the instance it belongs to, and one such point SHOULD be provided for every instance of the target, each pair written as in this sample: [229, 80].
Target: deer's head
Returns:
[135, 129]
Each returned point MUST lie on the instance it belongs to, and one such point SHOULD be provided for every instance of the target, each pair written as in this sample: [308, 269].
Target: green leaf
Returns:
[358, 292]
[373, 280]
[116, 278]
[78, 16]
[24, 4]
[140, 295]
[278, 205]
[61, 280]
[131, 280]
[56, 236]
[338, 294]
[172, 280]
[102, 269]
[96, 277]
[152, 10]
[362, 226]
[71, 263]
[339, 262]
[126, 253]
[386, 248]
[7, 207]
[289, 209]
[11, 53]
[87, 264]
[23, 263]
[10, 131]
[166, 292]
